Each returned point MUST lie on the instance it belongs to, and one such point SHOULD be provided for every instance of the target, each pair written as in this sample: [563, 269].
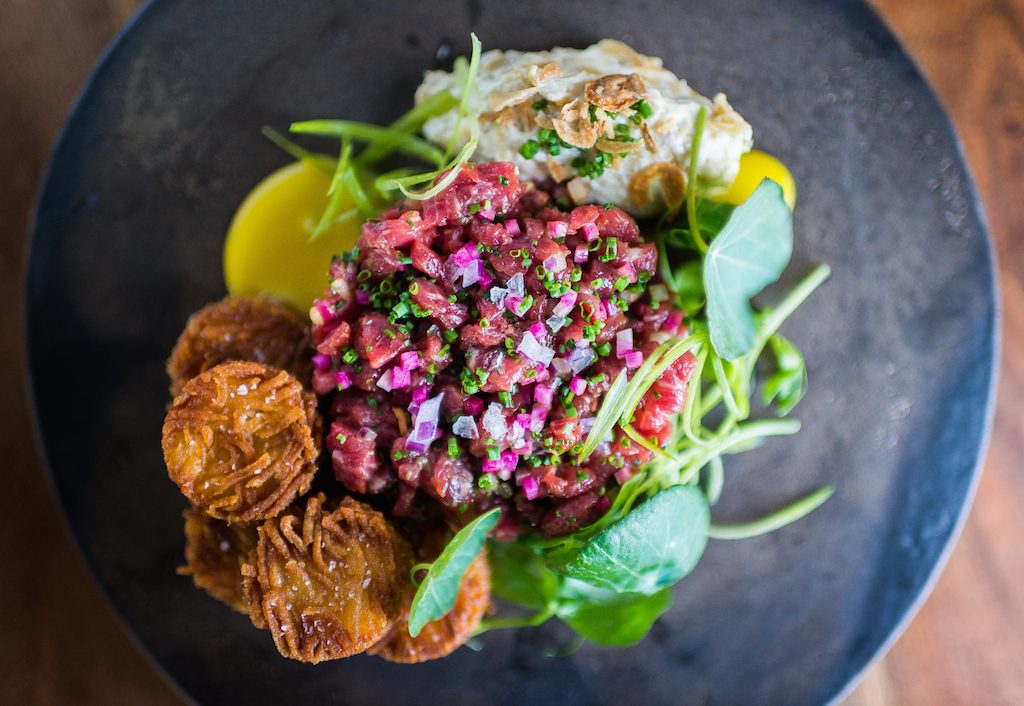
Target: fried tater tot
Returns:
[255, 329]
[443, 636]
[329, 579]
[242, 441]
[214, 554]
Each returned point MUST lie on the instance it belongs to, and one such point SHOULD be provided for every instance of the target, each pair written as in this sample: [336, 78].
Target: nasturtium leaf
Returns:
[749, 254]
[652, 547]
[436, 594]
[610, 617]
[519, 575]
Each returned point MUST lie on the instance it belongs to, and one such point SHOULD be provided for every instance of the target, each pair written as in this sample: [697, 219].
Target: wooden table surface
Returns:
[58, 642]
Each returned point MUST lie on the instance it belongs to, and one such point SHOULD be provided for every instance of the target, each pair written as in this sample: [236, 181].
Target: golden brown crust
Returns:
[256, 329]
[574, 125]
[242, 440]
[657, 184]
[214, 554]
[615, 92]
[443, 636]
[328, 582]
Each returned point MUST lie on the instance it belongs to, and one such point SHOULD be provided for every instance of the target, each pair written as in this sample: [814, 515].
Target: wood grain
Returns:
[60, 644]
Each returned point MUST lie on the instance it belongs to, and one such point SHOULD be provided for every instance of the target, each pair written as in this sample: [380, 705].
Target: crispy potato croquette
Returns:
[214, 554]
[255, 329]
[329, 579]
[446, 634]
[242, 441]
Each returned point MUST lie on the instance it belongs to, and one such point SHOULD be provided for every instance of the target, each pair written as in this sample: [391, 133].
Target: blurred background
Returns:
[59, 643]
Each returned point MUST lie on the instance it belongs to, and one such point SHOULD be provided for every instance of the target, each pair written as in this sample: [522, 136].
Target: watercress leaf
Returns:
[749, 254]
[518, 575]
[610, 617]
[712, 217]
[689, 286]
[652, 547]
[787, 385]
[436, 594]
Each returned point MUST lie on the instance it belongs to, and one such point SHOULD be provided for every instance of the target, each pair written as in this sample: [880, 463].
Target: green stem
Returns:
[787, 515]
[525, 622]
[435, 105]
[373, 134]
[691, 181]
[742, 433]
[775, 318]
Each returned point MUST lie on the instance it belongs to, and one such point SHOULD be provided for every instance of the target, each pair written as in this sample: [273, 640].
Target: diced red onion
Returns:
[531, 488]
[327, 313]
[512, 303]
[578, 385]
[517, 284]
[367, 433]
[589, 231]
[497, 295]
[473, 272]
[581, 254]
[512, 226]
[485, 279]
[321, 361]
[386, 381]
[400, 377]
[538, 415]
[425, 427]
[523, 420]
[634, 359]
[465, 255]
[533, 349]
[562, 367]
[491, 465]
[658, 292]
[420, 394]
[587, 423]
[494, 422]
[556, 323]
[565, 303]
[555, 263]
[474, 405]
[580, 359]
[557, 229]
[343, 380]
[672, 321]
[465, 427]
[542, 395]
[623, 342]
[486, 214]
[362, 297]
[509, 461]
[410, 360]
[415, 446]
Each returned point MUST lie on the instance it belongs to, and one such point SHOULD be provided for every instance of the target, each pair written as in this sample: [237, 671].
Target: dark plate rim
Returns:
[29, 386]
[990, 403]
[897, 628]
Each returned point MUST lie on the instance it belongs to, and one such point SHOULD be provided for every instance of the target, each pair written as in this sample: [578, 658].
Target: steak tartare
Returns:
[467, 342]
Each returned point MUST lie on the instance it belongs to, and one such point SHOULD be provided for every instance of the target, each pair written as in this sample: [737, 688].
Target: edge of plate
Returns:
[28, 382]
[990, 403]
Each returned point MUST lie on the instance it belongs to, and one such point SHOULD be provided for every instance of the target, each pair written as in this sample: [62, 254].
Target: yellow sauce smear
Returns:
[754, 167]
[268, 248]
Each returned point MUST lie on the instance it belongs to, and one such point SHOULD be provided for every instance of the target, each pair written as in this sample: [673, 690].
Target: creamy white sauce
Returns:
[511, 75]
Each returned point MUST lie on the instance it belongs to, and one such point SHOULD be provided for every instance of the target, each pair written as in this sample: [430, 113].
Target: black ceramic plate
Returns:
[165, 142]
